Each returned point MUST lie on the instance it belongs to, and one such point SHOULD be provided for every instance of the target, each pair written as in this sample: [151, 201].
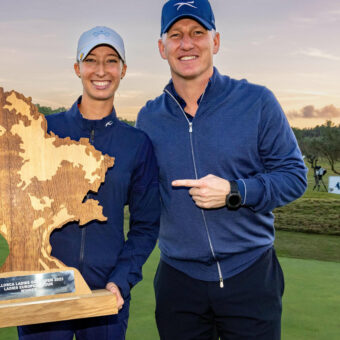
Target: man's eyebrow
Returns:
[198, 26]
[193, 27]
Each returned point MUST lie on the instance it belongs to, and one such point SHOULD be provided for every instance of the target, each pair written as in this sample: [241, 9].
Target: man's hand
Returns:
[113, 288]
[207, 192]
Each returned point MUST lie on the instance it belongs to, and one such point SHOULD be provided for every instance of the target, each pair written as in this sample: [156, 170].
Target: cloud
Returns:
[317, 53]
[334, 11]
[303, 20]
[144, 75]
[129, 93]
[6, 50]
[333, 15]
[309, 111]
[322, 17]
[293, 92]
[264, 40]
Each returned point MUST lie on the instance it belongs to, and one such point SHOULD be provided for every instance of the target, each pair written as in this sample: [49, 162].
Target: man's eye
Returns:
[89, 60]
[198, 32]
[113, 60]
[174, 35]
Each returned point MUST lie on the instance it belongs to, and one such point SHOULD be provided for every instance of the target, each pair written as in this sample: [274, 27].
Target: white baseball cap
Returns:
[100, 35]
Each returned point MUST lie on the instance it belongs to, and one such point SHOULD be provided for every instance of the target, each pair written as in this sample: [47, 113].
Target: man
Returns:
[227, 158]
[99, 249]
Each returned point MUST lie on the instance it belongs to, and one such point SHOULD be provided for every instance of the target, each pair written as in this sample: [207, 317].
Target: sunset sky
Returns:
[290, 46]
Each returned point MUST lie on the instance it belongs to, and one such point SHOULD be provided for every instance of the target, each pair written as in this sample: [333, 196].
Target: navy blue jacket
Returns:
[239, 133]
[99, 249]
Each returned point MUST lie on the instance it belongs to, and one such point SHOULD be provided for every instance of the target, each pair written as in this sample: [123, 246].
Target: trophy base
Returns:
[57, 308]
[82, 303]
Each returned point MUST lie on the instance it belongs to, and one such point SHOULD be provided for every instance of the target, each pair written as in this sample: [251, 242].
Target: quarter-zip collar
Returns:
[171, 89]
[211, 93]
[87, 124]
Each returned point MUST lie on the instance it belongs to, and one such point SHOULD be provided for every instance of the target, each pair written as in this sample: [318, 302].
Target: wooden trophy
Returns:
[43, 182]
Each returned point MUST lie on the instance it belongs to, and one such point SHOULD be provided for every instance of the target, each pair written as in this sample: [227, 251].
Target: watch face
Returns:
[234, 200]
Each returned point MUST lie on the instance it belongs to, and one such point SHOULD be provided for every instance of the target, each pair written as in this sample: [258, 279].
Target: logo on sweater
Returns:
[189, 3]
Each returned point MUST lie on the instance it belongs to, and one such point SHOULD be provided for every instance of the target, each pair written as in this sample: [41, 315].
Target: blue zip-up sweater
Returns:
[239, 133]
[98, 249]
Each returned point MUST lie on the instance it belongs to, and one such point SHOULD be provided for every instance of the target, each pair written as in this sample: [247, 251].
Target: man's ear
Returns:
[216, 43]
[161, 49]
[77, 69]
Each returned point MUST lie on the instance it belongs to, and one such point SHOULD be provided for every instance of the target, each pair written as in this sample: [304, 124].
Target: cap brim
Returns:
[90, 47]
[204, 23]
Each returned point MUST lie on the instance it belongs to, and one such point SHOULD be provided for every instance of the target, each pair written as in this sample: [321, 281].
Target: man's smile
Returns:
[188, 57]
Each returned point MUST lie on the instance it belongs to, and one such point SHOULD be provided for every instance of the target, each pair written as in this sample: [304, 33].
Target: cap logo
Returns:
[189, 3]
[101, 32]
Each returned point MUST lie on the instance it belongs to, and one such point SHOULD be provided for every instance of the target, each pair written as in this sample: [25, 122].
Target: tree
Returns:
[130, 122]
[321, 141]
[46, 110]
[309, 150]
[328, 144]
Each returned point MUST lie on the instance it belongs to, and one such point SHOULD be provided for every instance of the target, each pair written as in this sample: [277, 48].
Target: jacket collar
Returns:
[87, 124]
[212, 85]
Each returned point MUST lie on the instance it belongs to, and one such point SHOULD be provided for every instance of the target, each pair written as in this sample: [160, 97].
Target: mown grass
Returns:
[312, 215]
[311, 302]
[307, 246]
[315, 212]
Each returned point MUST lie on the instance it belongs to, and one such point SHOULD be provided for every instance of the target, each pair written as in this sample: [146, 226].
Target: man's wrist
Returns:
[234, 198]
[242, 189]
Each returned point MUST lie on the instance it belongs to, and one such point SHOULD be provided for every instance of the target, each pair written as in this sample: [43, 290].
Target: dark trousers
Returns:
[99, 328]
[248, 307]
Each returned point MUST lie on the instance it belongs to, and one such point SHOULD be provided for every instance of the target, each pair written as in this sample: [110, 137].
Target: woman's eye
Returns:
[112, 60]
[89, 60]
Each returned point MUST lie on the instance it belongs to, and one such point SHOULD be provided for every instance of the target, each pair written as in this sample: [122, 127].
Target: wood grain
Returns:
[43, 182]
[99, 302]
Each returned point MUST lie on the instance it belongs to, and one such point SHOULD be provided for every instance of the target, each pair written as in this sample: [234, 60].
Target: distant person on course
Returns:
[227, 158]
[99, 250]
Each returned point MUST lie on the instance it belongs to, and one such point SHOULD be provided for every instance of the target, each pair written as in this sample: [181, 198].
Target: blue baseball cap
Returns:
[199, 10]
[100, 35]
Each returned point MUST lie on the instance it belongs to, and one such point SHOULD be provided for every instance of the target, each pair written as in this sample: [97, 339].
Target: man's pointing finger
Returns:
[190, 183]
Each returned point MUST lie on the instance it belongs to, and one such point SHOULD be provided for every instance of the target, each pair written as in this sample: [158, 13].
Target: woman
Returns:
[99, 250]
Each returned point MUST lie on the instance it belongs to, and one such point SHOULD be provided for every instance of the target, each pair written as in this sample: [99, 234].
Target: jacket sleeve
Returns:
[283, 178]
[144, 206]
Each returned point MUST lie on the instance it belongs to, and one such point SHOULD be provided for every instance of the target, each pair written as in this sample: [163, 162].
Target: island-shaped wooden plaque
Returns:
[43, 182]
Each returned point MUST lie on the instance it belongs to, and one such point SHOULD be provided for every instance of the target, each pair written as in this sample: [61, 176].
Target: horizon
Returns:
[289, 47]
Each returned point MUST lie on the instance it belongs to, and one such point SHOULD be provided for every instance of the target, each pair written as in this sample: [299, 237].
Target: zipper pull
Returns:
[221, 283]
[190, 127]
[92, 136]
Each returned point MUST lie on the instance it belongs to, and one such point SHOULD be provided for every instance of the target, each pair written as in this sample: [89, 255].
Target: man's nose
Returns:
[186, 42]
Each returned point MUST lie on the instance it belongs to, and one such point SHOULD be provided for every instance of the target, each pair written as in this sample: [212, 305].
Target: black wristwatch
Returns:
[233, 200]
